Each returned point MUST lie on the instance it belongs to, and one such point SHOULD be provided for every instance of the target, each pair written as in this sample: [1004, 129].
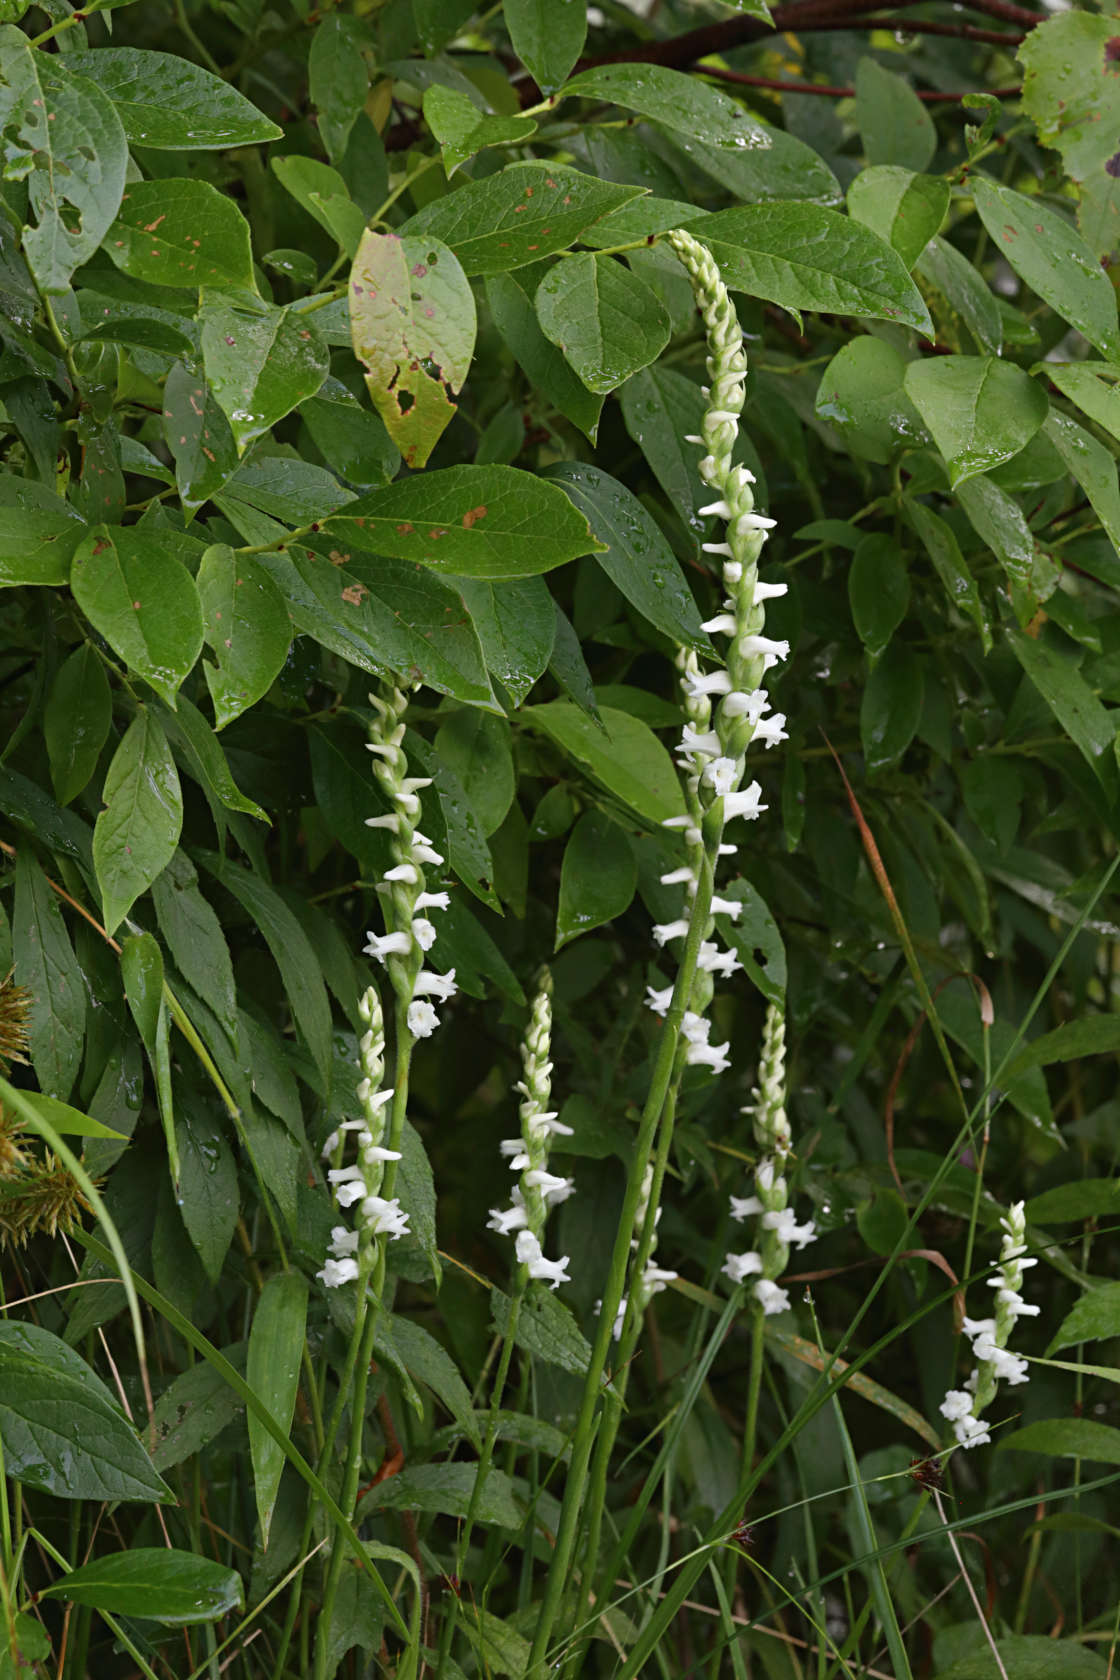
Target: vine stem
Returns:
[584, 1436]
[355, 1380]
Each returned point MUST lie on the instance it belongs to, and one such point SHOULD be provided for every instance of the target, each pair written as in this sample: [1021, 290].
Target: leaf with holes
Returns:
[261, 362]
[413, 324]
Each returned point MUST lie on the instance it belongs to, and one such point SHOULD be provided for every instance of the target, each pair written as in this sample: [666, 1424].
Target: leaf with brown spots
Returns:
[142, 600]
[413, 325]
[181, 233]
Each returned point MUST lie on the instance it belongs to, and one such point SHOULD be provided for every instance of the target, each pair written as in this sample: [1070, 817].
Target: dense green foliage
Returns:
[343, 349]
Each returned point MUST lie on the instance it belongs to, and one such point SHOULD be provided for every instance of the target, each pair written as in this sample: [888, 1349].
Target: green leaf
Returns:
[338, 77]
[63, 136]
[754, 937]
[190, 1412]
[292, 952]
[597, 878]
[272, 1370]
[634, 552]
[547, 36]
[142, 600]
[1066, 1438]
[1071, 700]
[76, 720]
[980, 410]
[1093, 1318]
[413, 324]
[142, 974]
[516, 628]
[38, 533]
[998, 520]
[62, 1430]
[384, 616]
[462, 130]
[261, 362]
[137, 832]
[153, 1583]
[1092, 465]
[411, 1347]
[323, 193]
[297, 492]
[45, 963]
[245, 621]
[1054, 261]
[510, 301]
[1082, 1198]
[1070, 92]
[1085, 384]
[501, 1649]
[523, 213]
[546, 1329]
[198, 436]
[1093, 1035]
[625, 755]
[965, 292]
[476, 747]
[71, 1122]
[862, 393]
[203, 759]
[941, 545]
[891, 707]
[878, 591]
[903, 208]
[660, 408]
[195, 939]
[1029, 1657]
[806, 257]
[467, 851]
[606, 321]
[488, 522]
[777, 166]
[168, 104]
[181, 232]
[446, 1489]
[893, 123]
[674, 101]
[207, 1190]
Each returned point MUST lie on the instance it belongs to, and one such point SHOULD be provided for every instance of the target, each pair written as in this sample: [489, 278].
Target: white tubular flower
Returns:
[971, 1432]
[705, 742]
[664, 931]
[335, 1273]
[350, 1192]
[659, 1001]
[441, 986]
[770, 1296]
[375, 1153]
[726, 907]
[698, 683]
[343, 1242]
[746, 803]
[386, 945]
[712, 1056]
[772, 730]
[432, 901]
[528, 1251]
[330, 1146]
[721, 775]
[426, 854]
[745, 1207]
[422, 1019]
[424, 933]
[750, 705]
[712, 960]
[724, 624]
[770, 591]
[741, 1266]
[552, 1187]
[754, 522]
[718, 510]
[750, 646]
[385, 1217]
[407, 872]
[390, 821]
[507, 1220]
[784, 1225]
[344, 1175]
[682, 877]
[989, 1337]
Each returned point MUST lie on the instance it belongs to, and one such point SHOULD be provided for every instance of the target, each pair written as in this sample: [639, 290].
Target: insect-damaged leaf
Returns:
[413, 323]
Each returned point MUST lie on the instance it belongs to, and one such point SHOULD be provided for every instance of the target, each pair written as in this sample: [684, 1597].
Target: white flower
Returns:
[772, 730]
[1012, 1301]
[754, 522]
[764, 1176]
[719, 509]
[373, 1153]
[330, 1146]
[386, 1217]
[343, 1241]
[742, 1207]
[784, 1223]
[343, 1175]
[694, 1027]
[383, 945]
[698, 683]
[441, 986]
[654, 1279]
[733, 572]
[390, 821]
[721, 548]
[432, 901]
[706, 743]
[740, 1266]
[337, 1272]
[422, 1019]
[506, 1220]
[424, 933]
[714, 961]
[978, 1326]
[726, 907]
[678, 877]
[659, 1001]
[709, 1055]
[404, 872]
[350, 1192]
[529, 1254]
[971, 1432]
[553, 1188]
[770, 1296]
[749, 704]
[745, 803]
[724, 624]
[371, 1100]
[664, 931]
[750, 645]
[425, 854]
[956, 1404]
[721, 775]
[769, 591]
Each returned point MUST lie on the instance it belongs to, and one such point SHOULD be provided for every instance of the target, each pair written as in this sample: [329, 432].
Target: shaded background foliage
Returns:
[917, 214]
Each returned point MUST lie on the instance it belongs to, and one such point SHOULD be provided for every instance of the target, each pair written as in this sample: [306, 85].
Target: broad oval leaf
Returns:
[519, 215]
[878, 591]
[181, 233]
[488, 522]
[904, 208]
[980, 410]
[62, 1430]
[548, 36]
[1029, 1657]
[475, 746]
[38, 533]
[462, 130]
[893, 123]
[169, 104]
[673, 100]
[245, 621]
[607, 322]
[142, 600]
[198, 436]
[597, 878]
[803, 256]
[516, 626]
[261, 362]
[136, 834]
[413, 323]
[862, 393]
[625, 755]
[153, 1583]
[1066, 1438]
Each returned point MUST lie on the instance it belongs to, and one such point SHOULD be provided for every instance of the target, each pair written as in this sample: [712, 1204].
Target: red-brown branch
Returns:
[830, 92]
[915, 26]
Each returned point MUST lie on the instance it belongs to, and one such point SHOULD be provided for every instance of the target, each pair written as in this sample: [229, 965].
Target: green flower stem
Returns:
[360, 1354]
[616, 1281]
